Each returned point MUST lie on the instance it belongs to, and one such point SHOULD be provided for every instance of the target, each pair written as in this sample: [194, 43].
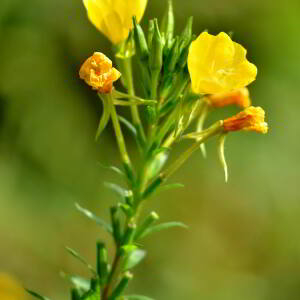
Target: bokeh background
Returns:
[243, 241]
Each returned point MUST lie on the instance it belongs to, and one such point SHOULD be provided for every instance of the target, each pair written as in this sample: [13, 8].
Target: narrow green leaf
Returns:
[135, 297]
[120, 191]
[93, 217]
[81, 259]
[221, 151]
[78, 282]
[168, 187]
[36, 295]
[133, 259]
[112, 168]
[159, 227]
[129, 126]
[105, 117]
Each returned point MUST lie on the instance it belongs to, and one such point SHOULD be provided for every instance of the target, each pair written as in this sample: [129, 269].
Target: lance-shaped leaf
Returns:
[80, 283]
[81, 259]
[168, 187]
[221, 152]
[159, 227]
[113, 168]
[36, 295]
[93, 217]
[120, 95]
[133, 259]
[135, 297]
[105, 116]
[118, 190]
[200, 126]
[129, 126]
[94, 292]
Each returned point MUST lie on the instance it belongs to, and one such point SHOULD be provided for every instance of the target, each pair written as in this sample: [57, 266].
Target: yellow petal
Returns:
[217, 64]
[114, 17]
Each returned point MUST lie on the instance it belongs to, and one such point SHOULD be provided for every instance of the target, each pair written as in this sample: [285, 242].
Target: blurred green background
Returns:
[243, 241]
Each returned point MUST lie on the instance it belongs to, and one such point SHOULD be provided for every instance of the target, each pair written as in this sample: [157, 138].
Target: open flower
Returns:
[217, 64]
[114, 17]
[97, 71]
[251, 119]
[238, 97]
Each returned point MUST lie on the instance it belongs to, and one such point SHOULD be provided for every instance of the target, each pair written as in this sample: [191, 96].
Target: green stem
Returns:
[210, 132]
[127, 69]
[120, 139]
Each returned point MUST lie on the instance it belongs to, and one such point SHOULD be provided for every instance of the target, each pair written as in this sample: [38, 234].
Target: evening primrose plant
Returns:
[183, 79]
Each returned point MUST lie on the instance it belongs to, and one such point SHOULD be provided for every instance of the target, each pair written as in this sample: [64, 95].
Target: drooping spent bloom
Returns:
[217, 64]
[97, 71]
[114, 17]
[251, 119]
[238, 97]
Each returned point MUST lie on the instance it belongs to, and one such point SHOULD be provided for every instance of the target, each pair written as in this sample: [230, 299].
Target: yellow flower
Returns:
[97, 71]
[251, 119]
[217, 64]
[10, 289]
[114, 17]
[238, 97]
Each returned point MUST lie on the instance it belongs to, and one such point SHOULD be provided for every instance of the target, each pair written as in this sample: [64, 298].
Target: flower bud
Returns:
[140, 41]
[251, 119]
[238, 97]
[97, 71]
[168, 24]
[156, 57]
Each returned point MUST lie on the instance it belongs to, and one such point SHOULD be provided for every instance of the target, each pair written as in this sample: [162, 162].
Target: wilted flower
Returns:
[217, 64]
[10, 289]
[97, 71]
[251, 119]
[114, 17]
[238, 97]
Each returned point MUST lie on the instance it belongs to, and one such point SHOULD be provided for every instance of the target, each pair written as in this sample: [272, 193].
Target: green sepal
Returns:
[141, 46]
[102, 262]
[159, 227]
[149, 221]
[105, 116]
[133, 258]
[93, 217]
[81, 259]
[36, 295]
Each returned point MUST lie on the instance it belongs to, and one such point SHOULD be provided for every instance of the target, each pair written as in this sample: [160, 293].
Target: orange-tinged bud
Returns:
[97, 71]
[238, 97]
[251, 119]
